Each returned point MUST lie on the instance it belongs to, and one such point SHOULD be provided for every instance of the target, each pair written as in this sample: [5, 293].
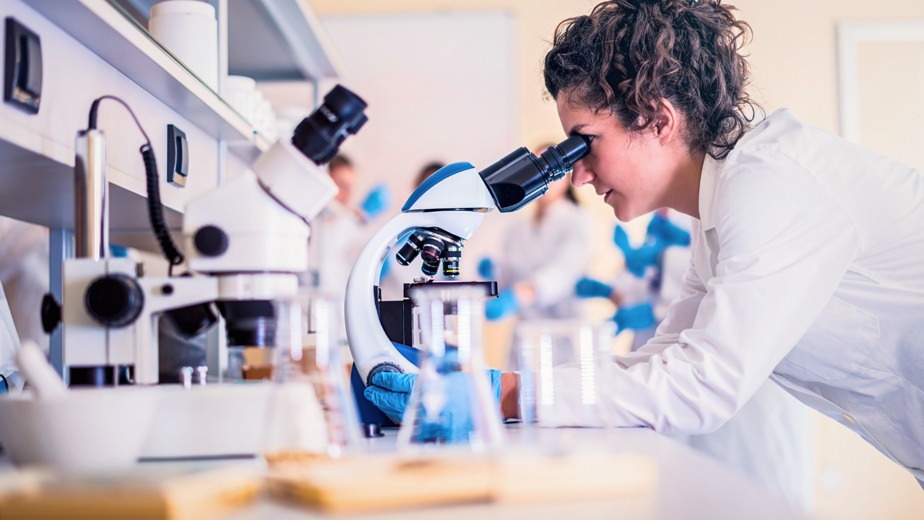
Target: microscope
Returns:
[440, 214]
[246, 241]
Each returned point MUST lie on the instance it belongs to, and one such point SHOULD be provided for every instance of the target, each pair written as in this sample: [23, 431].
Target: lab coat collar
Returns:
[707, 191]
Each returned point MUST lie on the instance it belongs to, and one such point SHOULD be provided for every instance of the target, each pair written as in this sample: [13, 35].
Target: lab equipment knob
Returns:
[50, 313]
[211, 241]
[114, 300]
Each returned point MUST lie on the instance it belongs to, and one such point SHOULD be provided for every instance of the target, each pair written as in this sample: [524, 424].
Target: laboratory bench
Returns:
[688, 484]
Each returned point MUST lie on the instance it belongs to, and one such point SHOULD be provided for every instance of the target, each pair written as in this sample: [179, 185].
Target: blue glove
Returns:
[666, 232]
[486, 268]
[634, 317]
[376, 201]
[391, 392]
[118, 251]
[637, 259]
[504, 305]
[590, 288]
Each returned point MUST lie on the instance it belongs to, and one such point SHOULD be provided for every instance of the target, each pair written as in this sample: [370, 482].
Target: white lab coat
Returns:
[552, 254]
[808, 267]
[337, 237]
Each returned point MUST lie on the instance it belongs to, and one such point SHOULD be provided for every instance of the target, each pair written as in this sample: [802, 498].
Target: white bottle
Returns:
[189, 30]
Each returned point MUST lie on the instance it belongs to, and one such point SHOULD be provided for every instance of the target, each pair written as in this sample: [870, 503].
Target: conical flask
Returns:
[309, 413]
[452, 402]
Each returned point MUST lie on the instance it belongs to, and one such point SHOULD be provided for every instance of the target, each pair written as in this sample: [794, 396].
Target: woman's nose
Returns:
[581, 174]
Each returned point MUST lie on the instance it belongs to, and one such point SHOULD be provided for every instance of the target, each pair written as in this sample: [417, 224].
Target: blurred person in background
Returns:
[339, 233]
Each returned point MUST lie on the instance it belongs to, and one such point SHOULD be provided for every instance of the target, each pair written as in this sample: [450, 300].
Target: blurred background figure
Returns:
[339, 233]
[770, 437]
[542, 256]
[639, 292]
[24, 278]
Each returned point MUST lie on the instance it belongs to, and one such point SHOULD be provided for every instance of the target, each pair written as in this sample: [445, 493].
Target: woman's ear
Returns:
[666, 123]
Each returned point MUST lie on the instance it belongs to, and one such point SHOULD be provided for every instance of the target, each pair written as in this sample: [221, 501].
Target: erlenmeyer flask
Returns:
[452, 401]
[309, 413]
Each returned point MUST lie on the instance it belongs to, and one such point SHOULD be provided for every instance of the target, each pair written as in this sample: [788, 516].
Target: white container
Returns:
[86, 430]
[189, 30]
[240, 92]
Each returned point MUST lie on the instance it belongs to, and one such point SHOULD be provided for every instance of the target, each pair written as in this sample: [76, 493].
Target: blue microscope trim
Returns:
[368, 412]
[438, 176]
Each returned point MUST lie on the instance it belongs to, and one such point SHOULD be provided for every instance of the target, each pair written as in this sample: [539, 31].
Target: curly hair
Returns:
[627, 56]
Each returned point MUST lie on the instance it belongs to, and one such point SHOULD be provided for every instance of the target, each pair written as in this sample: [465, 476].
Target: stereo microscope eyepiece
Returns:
[521, 177]
[320, 135]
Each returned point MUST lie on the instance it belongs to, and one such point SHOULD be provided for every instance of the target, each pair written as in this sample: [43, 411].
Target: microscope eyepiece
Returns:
[320, 135]
[521, 177]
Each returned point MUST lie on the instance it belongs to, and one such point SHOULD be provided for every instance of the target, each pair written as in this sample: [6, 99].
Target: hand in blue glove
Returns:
[637, 259]
[634, 317]
[376, 201]
[666, 232]
[486, 268]
[590, 288]
[504, 305]
[391, 392]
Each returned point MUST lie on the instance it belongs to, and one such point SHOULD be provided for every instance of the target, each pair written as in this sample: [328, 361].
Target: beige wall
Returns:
[793, 58]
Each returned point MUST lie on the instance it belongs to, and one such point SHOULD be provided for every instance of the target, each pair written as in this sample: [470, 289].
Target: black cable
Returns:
[155, 207]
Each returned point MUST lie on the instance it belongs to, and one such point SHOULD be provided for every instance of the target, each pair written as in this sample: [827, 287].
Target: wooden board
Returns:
[145, 493]
[383, 482]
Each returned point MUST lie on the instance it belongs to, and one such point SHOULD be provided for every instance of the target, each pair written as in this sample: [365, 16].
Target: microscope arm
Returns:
[370, 346]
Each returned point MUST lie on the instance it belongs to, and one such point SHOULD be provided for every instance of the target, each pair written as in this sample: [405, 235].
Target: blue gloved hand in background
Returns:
[666, 232]
[376, 201]
[504, 305]
[386, 268]
[590, 288]
[486, 268]
[391, 392]
[634, 317]
[637, 259]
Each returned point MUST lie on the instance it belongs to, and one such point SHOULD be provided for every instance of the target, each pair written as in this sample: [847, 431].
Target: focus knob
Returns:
[211, 241]
[114, 300]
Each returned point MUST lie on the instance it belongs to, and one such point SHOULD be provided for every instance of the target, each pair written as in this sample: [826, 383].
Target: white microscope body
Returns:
[246, 241]
[453, 200]
[442, 212]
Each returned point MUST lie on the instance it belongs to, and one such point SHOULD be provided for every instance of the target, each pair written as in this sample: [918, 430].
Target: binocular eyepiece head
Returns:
[521, 177]
[320, 135]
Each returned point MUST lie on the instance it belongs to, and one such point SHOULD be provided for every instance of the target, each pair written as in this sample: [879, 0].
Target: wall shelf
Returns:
[106, 32]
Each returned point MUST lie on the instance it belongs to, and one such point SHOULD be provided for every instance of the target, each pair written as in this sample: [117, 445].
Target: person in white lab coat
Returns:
[807, 250]
[543, 255]
[770, 438]
[24, 275]
[339, 233]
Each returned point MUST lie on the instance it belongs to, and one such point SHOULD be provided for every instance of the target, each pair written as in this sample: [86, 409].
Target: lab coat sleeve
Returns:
[680, 316]
[781, 245]
[565, 263]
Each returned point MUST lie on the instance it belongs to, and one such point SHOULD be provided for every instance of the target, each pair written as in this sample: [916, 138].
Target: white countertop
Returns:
[689, 485]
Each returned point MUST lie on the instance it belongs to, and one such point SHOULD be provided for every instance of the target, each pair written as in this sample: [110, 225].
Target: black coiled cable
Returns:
[155, 208]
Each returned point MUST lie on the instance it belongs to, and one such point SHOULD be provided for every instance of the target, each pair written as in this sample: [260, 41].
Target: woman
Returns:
[807, 251]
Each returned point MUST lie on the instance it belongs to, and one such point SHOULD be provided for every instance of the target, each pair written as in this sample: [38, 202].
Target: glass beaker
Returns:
[561, 371]
[309, 413]
[452, 401]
